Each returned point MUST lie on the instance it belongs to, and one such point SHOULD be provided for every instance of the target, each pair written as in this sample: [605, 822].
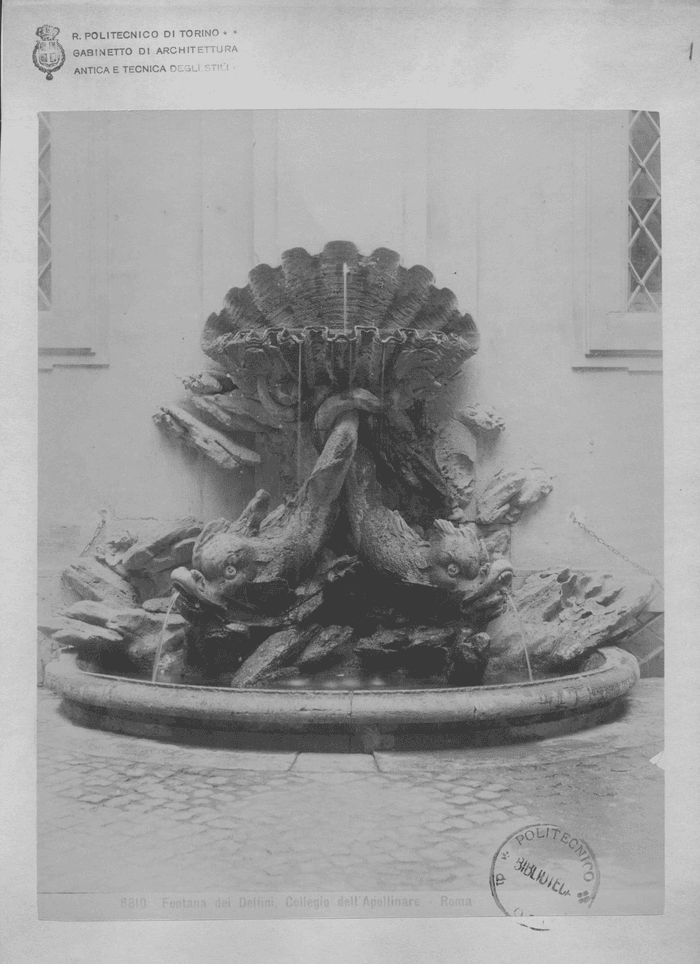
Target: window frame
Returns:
[608, 335]
[73, 331]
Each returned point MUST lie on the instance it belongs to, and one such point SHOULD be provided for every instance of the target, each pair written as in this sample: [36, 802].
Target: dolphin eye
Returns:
[231, 571]
[453, 569]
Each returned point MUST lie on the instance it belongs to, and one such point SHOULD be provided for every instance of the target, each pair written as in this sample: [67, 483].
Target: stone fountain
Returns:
[372, 602]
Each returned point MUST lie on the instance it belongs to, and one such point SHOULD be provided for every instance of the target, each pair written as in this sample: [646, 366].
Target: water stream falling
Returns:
[523, 634]
[156, 662]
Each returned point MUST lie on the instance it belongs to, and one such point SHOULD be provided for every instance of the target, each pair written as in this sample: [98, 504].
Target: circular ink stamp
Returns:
[544, 871]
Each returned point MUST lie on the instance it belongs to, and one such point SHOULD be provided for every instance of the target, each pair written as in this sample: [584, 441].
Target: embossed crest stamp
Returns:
[543, 871]
[48, 55]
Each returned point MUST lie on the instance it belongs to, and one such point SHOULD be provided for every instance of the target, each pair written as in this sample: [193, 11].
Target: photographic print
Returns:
[350, 512]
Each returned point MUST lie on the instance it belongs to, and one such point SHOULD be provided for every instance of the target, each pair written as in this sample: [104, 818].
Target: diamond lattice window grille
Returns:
[44, 247]
[644, 212]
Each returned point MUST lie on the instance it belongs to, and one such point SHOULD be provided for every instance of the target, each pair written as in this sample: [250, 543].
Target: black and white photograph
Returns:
[350, 511]
[349, 477]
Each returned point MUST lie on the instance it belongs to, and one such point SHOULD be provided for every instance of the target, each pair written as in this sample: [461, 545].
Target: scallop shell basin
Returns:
[340, 319]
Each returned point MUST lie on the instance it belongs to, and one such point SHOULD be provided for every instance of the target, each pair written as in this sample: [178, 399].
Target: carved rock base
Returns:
[563, 616]
[89, 579]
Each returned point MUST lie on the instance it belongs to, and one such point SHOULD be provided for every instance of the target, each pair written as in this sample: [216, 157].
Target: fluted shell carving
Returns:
[340, 319]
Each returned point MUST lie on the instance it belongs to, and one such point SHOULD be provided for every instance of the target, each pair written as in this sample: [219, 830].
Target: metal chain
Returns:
[617, 552]
[96, 534]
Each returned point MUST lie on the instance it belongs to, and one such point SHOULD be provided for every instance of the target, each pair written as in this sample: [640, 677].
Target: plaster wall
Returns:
[98, 446]
[484, 199]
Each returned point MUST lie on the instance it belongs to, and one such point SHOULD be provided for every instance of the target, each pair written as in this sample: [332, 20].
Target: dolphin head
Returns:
[226, 557]
[459, 562]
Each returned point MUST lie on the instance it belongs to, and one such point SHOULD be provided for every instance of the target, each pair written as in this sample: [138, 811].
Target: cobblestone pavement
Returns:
[119, 814]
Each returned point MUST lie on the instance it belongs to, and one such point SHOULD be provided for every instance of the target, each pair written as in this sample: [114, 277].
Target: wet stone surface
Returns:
[122, 814]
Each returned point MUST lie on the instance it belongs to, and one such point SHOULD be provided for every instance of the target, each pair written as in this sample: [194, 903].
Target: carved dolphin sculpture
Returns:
[449, 558]
[278, 548]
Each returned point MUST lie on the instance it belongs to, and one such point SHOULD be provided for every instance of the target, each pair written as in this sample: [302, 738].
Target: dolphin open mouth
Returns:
[252, 600]
[184, 580]
[498, 579]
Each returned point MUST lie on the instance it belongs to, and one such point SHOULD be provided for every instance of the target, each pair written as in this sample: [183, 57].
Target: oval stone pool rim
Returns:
[346, 720]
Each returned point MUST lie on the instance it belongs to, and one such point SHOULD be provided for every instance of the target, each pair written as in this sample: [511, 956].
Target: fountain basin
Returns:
[342, 720]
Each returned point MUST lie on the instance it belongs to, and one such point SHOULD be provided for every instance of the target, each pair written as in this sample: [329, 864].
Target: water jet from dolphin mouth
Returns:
[159, 650]
[523, 635]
